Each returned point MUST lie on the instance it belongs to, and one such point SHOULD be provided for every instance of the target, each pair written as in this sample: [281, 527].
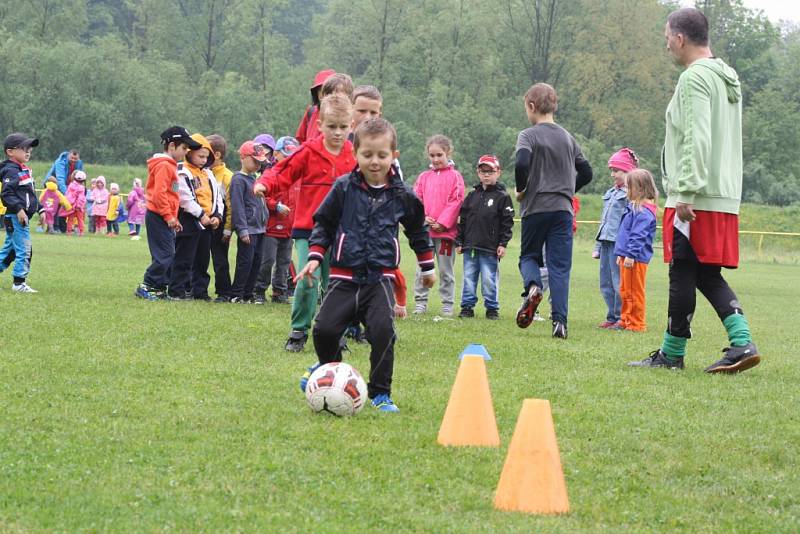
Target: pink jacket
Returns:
[136, 206]
[76, 195]
[100, 199]
[442, 193]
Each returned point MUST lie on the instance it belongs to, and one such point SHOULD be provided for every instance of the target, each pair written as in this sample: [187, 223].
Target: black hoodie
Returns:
[18, 191]
[485, 219]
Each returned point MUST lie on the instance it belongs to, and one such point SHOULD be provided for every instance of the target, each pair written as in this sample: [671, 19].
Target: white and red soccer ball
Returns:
[336, 388]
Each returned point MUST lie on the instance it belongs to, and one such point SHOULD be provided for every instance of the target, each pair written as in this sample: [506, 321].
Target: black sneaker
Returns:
[466, 313]
[658, 359]
[559, 330]
[493, 315]
[222, 299]
[736, 360]
[259, 299]
[202, 298]
[529, 305]
[180, 298]
[280, 299]
[297, 341]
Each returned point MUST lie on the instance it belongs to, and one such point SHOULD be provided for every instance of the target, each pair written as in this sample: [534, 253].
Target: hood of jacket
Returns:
[728, 75]
[499, 186]
[160, 159]
[204, 144]
[51, 186]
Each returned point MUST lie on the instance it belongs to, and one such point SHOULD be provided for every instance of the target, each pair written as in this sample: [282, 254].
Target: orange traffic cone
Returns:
[469, 417]
[532, 480]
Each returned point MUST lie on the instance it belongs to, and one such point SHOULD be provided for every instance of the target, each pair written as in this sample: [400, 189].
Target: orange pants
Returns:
[631, 289]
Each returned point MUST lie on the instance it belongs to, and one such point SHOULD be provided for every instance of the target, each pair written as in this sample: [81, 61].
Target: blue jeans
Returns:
[17, 247]
[483, 264]
[609, 281]
[554, 231]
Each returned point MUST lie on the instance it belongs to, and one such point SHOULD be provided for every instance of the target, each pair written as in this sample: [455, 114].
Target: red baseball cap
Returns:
[249, 148]
[491, 161]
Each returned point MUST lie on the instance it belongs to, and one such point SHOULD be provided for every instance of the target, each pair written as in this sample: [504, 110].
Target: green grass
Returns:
[124, 415]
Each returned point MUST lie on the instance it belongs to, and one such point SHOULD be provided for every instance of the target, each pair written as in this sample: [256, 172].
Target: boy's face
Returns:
[375, 156]
[365, 108]
[250, 164]
[100, 185]
[438, 156]
[334, 128]
[488, 175]
[618, 176]
[178, 152]
[198, 157]
[20, 155]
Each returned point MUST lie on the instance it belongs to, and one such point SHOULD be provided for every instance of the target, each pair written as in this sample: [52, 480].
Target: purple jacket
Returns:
[636, 233]
[136, 206]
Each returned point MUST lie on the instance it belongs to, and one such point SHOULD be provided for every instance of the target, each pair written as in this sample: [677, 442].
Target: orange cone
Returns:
[469, 418]
[532, 480]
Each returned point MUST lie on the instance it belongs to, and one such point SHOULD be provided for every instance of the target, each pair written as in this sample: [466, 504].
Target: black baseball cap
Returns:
[19, 140]
[179, 134]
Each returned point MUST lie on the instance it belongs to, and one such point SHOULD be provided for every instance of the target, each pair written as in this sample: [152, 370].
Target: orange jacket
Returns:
[162, 186]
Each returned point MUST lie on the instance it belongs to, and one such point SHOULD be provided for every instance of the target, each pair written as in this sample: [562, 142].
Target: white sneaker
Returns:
[23, 288]
[136, 238]
[419, 309]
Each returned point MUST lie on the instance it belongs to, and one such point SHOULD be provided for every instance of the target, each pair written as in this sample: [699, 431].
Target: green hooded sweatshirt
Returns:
[702, 157]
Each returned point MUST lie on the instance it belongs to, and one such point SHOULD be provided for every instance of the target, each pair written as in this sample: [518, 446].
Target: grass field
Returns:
[124, 415]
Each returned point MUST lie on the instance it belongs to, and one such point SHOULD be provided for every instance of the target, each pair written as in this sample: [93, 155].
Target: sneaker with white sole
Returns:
[23, 288]
[307, 375]
[383, 403]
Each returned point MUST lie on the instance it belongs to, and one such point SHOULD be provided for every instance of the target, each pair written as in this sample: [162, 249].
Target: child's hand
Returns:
[519, 195]
[205, 220]
[628, 263]
[429, 280]
[22, 217]
[283, 209]
[260, 190]
[400, 312]
[226, 238]
[429, 220]
[595, 254]
[307, 272]
[245, 239]
[215, 222]
[501, 252]
[438, 227]
[459, 250]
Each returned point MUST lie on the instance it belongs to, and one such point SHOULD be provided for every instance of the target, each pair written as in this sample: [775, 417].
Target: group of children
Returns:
[337, 192]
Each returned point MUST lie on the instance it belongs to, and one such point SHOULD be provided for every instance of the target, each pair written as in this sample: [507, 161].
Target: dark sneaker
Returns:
[202, 298]
[280, 299]
[736, 360]
[259, 299]
[559, 330]
[307, 375]
[658, 359]
[148, 293]
[493, 315]
[180, 298]
[297, 341]
[466, 313]
[529, 305]
[222, 299]
[383, 403]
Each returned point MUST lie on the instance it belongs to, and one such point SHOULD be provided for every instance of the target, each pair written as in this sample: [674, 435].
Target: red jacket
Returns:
[280, 226]
[308, 128]
[316, 169]
[162, 186]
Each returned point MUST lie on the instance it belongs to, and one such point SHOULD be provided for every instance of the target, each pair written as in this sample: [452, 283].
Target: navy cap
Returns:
[19, 140]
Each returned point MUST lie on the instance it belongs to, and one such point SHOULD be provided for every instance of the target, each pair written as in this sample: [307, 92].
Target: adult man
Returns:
[702, 166]
[63, 167]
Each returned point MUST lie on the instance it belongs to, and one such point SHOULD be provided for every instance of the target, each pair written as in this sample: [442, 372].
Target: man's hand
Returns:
[245, 239]
[685, 212]
[260, 190]
[428, 280]
[22, 217]
[627, 263]
[501, 252]
[307, 272]
[596, 254]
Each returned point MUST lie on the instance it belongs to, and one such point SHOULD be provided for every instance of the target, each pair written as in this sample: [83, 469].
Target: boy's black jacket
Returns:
[485, 219]
[18, 189]
[359, 225]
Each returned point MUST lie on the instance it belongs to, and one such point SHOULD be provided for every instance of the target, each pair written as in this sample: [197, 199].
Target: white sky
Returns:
[777, 9]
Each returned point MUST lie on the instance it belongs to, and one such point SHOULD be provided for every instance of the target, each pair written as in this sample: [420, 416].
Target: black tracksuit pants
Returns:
[202, 257]
[180, 280]
[222, 268]
[686, 275]
[346, 302]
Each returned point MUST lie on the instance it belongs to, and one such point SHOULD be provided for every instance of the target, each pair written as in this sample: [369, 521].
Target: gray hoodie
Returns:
[248, 212]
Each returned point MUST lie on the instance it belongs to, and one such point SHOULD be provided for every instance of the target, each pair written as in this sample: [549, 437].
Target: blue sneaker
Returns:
[148, 293]
[383, 403]
[307, 375]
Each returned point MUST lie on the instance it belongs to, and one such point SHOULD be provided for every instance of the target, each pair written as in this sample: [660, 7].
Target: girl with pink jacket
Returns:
[100, 206]
[76, 196]
[441, 190]
[136, 207]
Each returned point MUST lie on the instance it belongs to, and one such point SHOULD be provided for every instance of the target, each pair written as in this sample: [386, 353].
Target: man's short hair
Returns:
[691, 23]
[335, 104]
[337, 83]
[74, 151]
[218, 144]
[543, 97]
[367, 91]
[374, 128]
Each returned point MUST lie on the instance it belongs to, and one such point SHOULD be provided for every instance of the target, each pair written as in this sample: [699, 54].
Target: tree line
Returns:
[108, 75]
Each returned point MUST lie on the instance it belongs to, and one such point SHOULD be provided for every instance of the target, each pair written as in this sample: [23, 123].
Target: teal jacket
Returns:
[702, 157]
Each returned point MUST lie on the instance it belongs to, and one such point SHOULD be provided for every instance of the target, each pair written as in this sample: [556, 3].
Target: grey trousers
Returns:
[445, 251]
[277, 252]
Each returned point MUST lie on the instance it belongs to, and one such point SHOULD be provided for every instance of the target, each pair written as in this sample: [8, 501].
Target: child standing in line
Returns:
[113, 213]
[365, 256]
[52, 200]
[634, 247]
[221, 235]
[316, 165]
[249, 220]
[614, 202]
[484, 230]
[90, 203]
[137, 206]
[18, 195]
[100, 204]
[76, 196]
[441, 190]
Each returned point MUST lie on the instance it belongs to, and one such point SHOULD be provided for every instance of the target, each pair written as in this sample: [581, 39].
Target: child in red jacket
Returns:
[316, 165]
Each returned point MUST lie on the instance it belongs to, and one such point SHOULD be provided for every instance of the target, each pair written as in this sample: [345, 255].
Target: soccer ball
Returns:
[336, 388]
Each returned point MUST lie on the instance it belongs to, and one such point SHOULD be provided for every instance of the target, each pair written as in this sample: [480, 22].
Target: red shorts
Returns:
[713, 236]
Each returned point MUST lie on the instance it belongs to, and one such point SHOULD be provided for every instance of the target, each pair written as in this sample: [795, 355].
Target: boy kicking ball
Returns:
[358, 221]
